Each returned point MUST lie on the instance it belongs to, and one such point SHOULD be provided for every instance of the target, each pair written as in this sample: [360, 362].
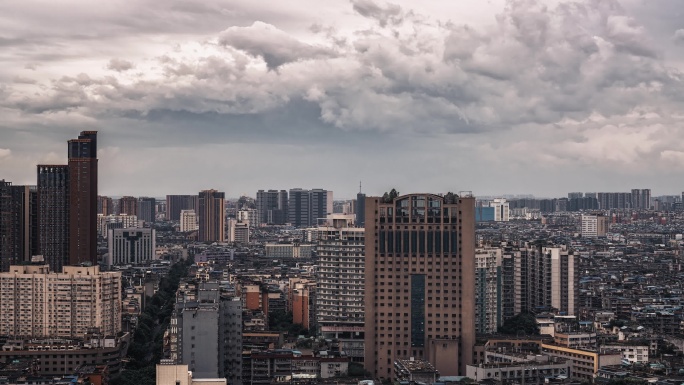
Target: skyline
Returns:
[326, 95]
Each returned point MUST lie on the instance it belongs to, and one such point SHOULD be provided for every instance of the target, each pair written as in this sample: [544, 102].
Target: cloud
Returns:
[384, 15]
[119, 65]
[275, 46]
[678, 36]
[543, 85]
[5, 153]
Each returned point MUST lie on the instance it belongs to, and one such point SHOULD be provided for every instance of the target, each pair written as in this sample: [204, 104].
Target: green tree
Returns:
[523, 323]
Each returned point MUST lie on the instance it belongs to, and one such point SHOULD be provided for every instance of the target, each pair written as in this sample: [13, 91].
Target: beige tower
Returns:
[420, 282]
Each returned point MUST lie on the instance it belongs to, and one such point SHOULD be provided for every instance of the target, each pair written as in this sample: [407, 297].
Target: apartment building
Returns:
[37, 303]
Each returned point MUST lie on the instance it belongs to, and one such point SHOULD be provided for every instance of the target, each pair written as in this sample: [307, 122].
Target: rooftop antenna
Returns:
[359, 187]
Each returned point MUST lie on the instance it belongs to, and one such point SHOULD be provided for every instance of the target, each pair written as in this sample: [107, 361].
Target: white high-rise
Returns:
[188, 221]
[594, 226]
[340, 285]
[501, 209]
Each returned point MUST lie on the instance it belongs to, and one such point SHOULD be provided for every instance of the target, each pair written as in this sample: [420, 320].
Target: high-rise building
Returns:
[147, 209]
[83, 199]
[105, 205]
[271, 206]
[488, 279]
[360, 209]
[575, 195]
[53, 215]
[501, 209]
[299, 206]
[176, 203]
[340, 286]
[188, 221]
[321, 205]
[536, 278]
[128, 205]
[131, 246]
[18, 224]
[211, 216]
[37, 303]
[206, 332]
[420, 282]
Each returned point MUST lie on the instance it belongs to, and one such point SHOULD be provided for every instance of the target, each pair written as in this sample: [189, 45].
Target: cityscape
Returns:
[348, 192]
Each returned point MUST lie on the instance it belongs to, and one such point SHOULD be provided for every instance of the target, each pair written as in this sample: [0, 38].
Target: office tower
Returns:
[105, 205]
[594, 226]
[188, 221]
[131, 246]
[420, 282]
[128, 205]
[38, 303]
[206, 332]
[360, 209]
[575, 195]
[53, 215]
[147, 209]
[176, 203]
[83, 198]
[501, 209]
[488, 290]
[272, 206]
[340, 286]
[18, 224]
[299, 208]
[320, 205]
[105, 223]
[211, 216]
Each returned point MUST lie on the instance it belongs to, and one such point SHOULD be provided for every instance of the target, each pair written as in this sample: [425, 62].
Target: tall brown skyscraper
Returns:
[83, 199]
[128, 205]
[105, 205]
[211, 216]
[420, 282]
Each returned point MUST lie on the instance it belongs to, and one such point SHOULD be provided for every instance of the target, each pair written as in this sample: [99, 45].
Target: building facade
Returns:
[211, 216]
[128, 205]
[594, 226]
[106, 223]
[83, 199]
[188, 221]
[18, 224]
[272, 206]
[420, 286]
[37, 303]
[147, 209]
[488, 289]
[176, 203]
[53, 215]
[340, 287]
[131, 246]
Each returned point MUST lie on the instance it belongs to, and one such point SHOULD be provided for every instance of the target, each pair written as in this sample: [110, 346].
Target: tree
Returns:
[523, 323]
[389, 197]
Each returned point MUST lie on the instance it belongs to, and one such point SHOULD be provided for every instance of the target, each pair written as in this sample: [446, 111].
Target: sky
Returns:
[494, 97]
